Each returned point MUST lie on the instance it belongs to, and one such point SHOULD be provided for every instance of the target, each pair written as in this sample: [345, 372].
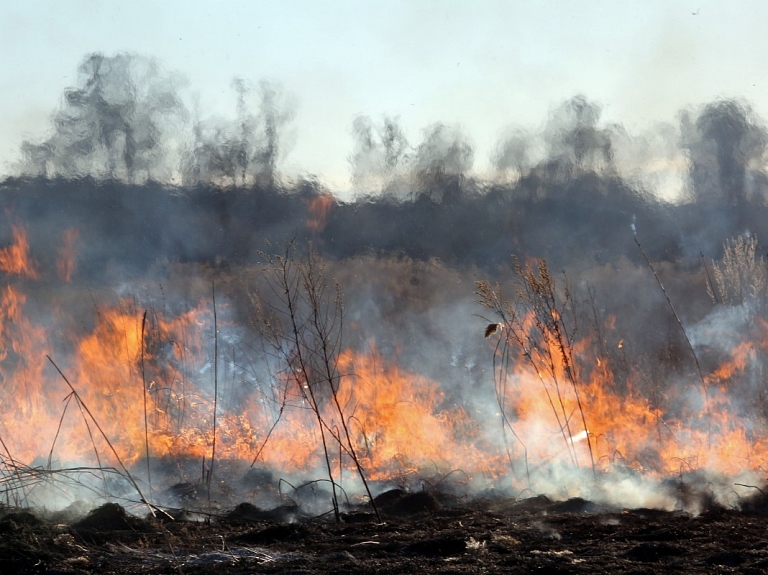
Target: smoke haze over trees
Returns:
[111, 125]
[577, 182]
[129, 120]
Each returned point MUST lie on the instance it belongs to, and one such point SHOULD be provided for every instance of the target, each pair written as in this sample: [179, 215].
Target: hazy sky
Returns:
[483, 65]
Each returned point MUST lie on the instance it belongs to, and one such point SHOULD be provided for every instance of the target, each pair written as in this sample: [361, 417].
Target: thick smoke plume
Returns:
[134, 196]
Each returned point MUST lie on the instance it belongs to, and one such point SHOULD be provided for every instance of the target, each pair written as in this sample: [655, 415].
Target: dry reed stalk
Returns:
[85, 410]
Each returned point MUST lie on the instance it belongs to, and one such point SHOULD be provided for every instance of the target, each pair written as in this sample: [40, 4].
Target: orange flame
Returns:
[403, 426]
[66, 263]
[14, 259]
[399, 421]
[698, 428]
[319, 208]
[146, 378]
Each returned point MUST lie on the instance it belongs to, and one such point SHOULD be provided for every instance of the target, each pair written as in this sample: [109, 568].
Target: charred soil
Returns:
[419, 532]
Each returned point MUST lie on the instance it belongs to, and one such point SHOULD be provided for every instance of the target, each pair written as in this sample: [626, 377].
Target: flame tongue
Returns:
[14, 259]
[404, 425]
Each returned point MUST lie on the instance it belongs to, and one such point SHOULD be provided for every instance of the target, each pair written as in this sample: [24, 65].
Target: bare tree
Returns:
[244, 151]
[381, 155]
[575, 137]
[725, 143]
[512, 153]
[442, 160]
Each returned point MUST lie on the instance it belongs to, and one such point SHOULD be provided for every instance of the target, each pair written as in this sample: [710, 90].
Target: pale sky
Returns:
[484, 65]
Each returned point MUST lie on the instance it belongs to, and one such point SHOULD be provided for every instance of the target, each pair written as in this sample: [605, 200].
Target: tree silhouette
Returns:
[246, 150]
[574, 135]
[723, 143]
[111, 125]
[381, 155]
[442, 159]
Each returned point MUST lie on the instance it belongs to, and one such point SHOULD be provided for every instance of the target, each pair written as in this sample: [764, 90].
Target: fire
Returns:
[138, 375]
[403, 425]
[698, 427]
[148, 386]
[21, 346]
[14, 259]
[319, 208]
[66, 263]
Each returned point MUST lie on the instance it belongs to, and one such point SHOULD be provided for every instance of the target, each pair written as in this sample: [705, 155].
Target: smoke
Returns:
[408, 249]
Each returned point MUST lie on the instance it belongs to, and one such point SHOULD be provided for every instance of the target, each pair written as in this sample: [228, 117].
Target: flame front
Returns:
[695, 426]
[144, 383]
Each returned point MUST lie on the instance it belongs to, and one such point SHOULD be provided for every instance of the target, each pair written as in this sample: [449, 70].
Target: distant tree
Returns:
[574, 135]
[112, 124]
[381, 154]
[724, 144]
[395, 144]
[442, 159]
[365, 161]
[245, 150]
[512, 153]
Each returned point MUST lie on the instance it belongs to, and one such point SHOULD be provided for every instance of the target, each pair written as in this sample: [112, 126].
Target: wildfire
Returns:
[144, 388]
[404, 426]
[67, 260]
[14, 259]
[698, 427]
[400, 422]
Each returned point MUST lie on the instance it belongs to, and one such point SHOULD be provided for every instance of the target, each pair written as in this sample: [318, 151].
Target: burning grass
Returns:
[148, 392]
[126, 414]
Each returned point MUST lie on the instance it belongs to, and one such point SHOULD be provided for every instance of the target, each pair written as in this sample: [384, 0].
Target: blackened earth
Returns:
[417, 533]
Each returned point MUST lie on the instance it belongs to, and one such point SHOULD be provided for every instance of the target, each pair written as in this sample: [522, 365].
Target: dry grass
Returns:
[741, 277]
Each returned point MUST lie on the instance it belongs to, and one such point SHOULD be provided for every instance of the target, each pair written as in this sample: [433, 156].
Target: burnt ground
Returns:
[419, 532]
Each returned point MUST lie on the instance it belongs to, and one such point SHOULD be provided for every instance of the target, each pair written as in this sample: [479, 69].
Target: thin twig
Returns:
[709, 279]
[215, 387]
[84, 407]
[752, 487]
[144, 394]
[680, 323]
